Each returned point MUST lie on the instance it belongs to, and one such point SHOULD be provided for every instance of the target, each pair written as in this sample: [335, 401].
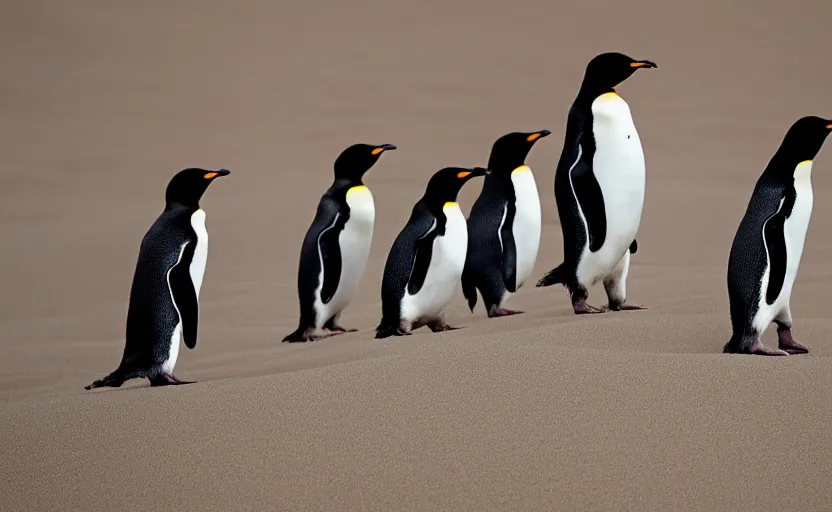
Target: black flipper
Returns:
[591, 202]
[509, 256]
[775, 240]
[331, 253]
[184, 295]
[634, 247]
[424, 252]
[469, 289]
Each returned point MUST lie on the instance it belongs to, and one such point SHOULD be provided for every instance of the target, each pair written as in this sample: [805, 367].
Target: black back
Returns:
[490, 262]
[770, 205]
[575, 167]
[323, 234]
[162, 276]
[410, 255]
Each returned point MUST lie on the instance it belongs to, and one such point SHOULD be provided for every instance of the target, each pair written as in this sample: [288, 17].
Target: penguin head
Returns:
[188, 185]
[804, 139]
[509, 151]
[607, 70]
[445, 184]
[357, 159]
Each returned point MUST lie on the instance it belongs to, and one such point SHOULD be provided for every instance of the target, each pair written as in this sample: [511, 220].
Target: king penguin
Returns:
[425, 263]
[503, 226]
[336, 246]
[599, 187]
[767, 247]
[164, 297]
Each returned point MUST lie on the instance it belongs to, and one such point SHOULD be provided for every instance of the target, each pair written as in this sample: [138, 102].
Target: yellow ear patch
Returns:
[533, 137]
[377, 151]
[462, 174]
[210, 175]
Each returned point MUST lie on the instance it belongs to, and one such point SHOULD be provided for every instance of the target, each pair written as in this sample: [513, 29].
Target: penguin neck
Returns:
[588, 93]
[347, 183]
[172, 205]
[436, 203]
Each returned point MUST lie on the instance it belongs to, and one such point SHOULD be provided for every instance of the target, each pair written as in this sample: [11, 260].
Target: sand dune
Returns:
[103, 102]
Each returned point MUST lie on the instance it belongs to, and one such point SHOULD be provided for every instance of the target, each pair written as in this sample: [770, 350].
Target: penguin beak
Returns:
[384, 147]
[643, 64]
[537, 135]
[829, 126]
[216, 174]
[480, 171]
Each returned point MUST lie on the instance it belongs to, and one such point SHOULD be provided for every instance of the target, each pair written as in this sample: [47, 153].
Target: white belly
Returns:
[197, 268]
[355, 241]
[526, 227]
[794, 230]
[444, 271]
[619, 167]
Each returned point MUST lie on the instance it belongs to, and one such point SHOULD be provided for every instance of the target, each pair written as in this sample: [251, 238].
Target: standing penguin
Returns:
[426, 260]
[504, 226]
[766, 251]
[164, 298]
[599, 187]
[336, 247]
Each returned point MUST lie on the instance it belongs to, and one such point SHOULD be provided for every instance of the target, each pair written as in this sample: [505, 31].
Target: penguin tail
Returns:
[298, 335]
[113, 380]
[555, 276]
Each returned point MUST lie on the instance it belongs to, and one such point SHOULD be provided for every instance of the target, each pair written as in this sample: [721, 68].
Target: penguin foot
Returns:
[494, 312]
[761, 350]
[787, 343]
[624, 307]
[167, 379]
[337, 329]
[582, 308]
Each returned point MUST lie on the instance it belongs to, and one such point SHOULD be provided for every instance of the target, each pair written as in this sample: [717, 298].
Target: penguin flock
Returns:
[599, 189]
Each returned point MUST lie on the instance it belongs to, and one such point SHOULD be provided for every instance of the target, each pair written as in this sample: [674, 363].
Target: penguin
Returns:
[426, 260]
[503, 226]
[599, 187]
[164, 297]
[335, 249]
[767, 247]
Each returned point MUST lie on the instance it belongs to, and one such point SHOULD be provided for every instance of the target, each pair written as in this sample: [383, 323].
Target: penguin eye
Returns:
[462, 174]
[210, 175]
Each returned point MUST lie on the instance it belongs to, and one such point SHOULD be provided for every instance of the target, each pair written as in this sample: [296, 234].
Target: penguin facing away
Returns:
[336, 246]
[768, 245]
[164, 297]
[599, 187]
[504, 226]
[426, 260]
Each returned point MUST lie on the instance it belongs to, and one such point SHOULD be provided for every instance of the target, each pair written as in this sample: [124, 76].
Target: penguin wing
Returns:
[184, 294]
[509, 249]
[321, 253]
[590, 201]
[774, 238]
[422, 255]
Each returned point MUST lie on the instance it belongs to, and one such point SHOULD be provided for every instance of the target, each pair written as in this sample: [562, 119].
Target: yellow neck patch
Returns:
[357, 189]
[607, 96]
[805, 162]
[522, 168]
[450, 204]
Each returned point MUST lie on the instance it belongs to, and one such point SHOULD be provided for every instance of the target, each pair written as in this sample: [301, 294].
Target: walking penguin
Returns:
[425, 263]
[164, 297]
[767, 247]
[336, 246]
[504, 226]
[599, 187]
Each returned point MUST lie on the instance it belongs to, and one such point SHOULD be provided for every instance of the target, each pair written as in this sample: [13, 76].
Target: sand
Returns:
[102, 102]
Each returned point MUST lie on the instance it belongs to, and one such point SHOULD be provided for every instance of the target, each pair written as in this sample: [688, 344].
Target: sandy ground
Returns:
[102, 102]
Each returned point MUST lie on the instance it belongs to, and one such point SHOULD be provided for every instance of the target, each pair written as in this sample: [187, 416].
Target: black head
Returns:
[509, 151]
[357, 159]
[803, 140]
[607, 70]
[445, 184]
[187, 186]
